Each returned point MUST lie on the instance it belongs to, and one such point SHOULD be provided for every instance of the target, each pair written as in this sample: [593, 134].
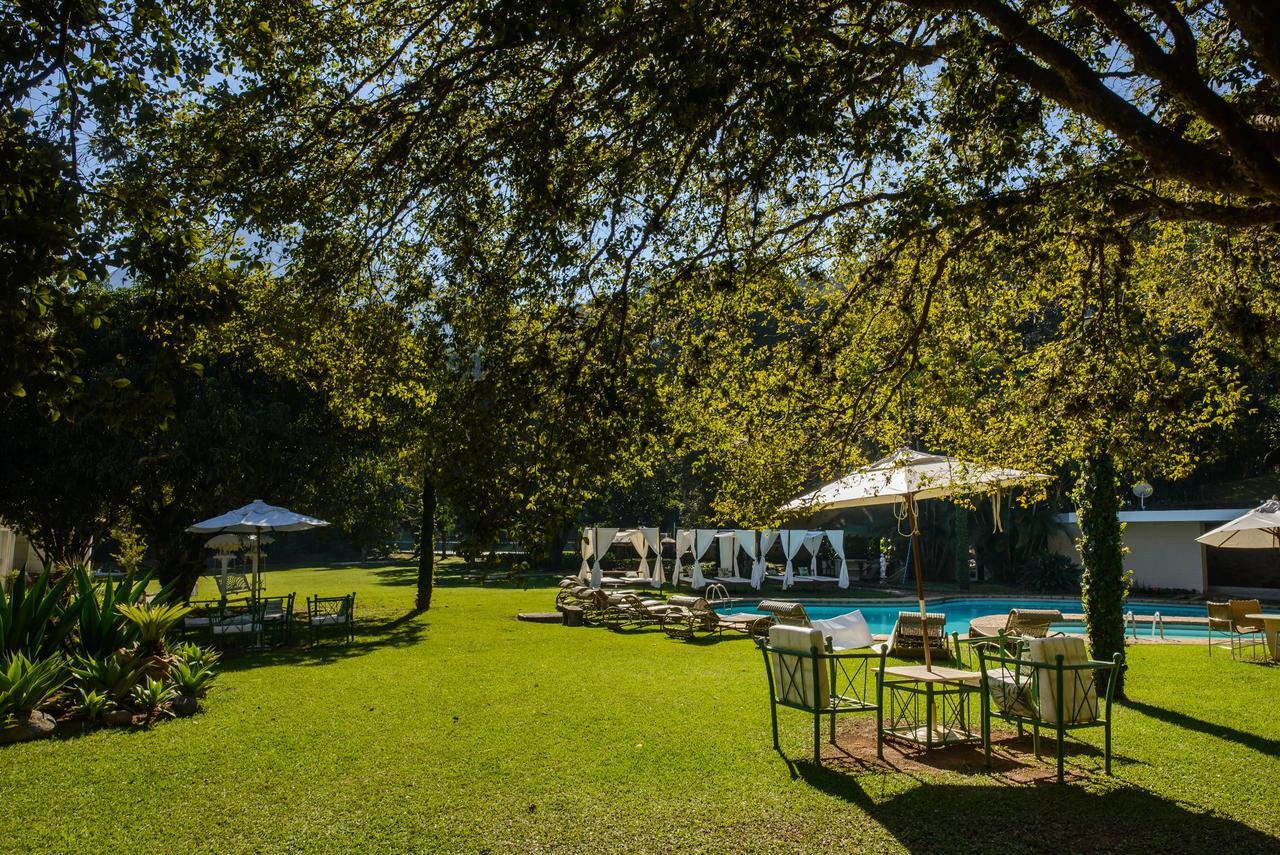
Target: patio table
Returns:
[1270, 629]
[928, 708]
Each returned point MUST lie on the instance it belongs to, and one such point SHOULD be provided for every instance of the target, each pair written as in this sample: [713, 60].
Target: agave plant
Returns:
[152, 695]
[193, 654]
[93, 705]
[190, 680]
[153, 623]
[100, 627]
[26, 685]
[114, 675]
[33, 621]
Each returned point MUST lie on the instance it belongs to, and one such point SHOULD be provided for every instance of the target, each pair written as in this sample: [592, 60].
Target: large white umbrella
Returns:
[257, 517]
[907, 476]
[1258, 529]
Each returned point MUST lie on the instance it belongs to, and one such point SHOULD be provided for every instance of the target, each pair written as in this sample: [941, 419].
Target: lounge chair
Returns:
[687, 617]
[1022, 623]
[630, 611]
[784, 612]
[908, 638]
[801, 673]
[1247, 633]
[1049, 682]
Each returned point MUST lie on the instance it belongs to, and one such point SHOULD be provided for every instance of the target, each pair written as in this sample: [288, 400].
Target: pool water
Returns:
[881, 616]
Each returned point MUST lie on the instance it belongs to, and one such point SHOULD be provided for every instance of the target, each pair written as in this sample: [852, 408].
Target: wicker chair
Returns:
[687, 617]
[1247, 634]
[1220, 623]
[908, 638]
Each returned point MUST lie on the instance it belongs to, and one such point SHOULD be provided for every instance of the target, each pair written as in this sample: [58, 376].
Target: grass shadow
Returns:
[371, 635]
[1009, 816]
[1263, 744]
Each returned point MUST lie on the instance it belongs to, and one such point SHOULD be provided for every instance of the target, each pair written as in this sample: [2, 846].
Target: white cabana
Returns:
[744, 540]
[1258, 529]
[257, 518]
[905, 477]
[597, 540]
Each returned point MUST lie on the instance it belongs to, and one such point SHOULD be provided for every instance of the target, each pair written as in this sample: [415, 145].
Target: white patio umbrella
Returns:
[905, 477]
[257, 518]
[1258, 529]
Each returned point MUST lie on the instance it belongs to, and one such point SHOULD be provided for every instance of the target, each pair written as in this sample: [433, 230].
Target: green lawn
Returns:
[464, 730]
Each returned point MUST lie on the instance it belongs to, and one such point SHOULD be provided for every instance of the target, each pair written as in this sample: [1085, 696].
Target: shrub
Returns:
[1050, 572]
[26, 685]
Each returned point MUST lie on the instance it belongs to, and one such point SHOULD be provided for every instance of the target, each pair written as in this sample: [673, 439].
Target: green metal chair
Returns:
[276, 618]
[1046, 682]
[332, 613]
[802, 672]
[235, 622]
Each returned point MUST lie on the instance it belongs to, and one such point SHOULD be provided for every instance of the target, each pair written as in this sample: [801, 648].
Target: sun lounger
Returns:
[786, 612]
[690, 616]
[908, 638]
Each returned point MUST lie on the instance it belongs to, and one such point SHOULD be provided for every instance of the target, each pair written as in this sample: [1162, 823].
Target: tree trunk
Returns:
[426, 554]
[1104, 583]
[961, 545]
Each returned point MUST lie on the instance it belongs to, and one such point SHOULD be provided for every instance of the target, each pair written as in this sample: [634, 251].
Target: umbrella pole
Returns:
[915, 560]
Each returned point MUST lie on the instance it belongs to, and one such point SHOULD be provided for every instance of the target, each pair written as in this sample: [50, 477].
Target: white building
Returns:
[1163, 552]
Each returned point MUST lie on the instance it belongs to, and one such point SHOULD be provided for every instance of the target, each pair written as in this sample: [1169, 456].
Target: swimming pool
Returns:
[960, 610]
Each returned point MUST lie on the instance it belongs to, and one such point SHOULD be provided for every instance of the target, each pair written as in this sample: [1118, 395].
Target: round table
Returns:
[988, 626]
[1271, 630]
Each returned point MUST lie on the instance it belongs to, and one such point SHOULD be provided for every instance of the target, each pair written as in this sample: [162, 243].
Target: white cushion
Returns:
[793, 676]
[1079, 695]
[847, 631]
[328, 619]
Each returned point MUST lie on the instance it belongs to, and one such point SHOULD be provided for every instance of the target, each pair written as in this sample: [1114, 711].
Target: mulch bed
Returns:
[1012, 759]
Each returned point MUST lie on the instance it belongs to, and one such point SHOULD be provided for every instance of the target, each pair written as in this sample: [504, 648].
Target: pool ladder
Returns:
[717, 594]
[1131, 619]
[1157, 621]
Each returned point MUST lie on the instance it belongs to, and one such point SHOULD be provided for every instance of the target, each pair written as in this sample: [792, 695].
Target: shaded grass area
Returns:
[461, 729]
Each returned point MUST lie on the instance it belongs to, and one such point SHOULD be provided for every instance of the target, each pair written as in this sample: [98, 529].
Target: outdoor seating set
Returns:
[832, 668]
[268, 621]
[1250, 633]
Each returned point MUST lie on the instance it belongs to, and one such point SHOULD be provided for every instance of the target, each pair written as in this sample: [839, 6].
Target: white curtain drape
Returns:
[702, 542]
[727, 550]
[654, 543]
[767, 537]
[813, 540]
[792, 540]
[638, 542]
[836, 537]
[684, 542]
[602, 539]
[746, 541]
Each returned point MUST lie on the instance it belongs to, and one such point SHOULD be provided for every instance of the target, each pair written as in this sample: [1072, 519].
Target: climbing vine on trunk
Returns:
[1105, 583]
